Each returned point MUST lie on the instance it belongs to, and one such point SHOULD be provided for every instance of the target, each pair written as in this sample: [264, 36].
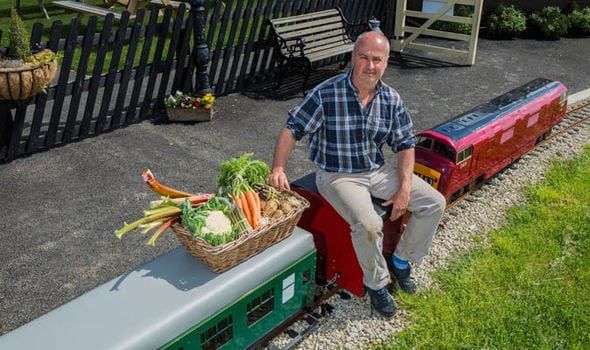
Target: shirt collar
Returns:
[378, 89]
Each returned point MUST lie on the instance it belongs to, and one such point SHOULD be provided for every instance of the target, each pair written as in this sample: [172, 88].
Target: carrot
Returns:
[240, 202]
[253, 207]
[258, 209]
[247, 211]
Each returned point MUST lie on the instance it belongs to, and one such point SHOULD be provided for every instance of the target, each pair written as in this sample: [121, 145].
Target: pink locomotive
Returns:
[463, 152]
[453, 157]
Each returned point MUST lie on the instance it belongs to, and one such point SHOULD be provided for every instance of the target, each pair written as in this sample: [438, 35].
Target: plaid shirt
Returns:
[344, 136]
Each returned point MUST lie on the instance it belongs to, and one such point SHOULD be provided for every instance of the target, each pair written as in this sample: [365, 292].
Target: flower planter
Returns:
[25, 81]
[190, 115]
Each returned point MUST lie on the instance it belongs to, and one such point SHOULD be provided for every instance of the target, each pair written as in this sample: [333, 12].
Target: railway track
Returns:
[578, 115]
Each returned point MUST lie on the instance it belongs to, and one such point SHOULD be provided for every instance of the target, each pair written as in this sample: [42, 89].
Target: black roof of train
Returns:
[477, 118]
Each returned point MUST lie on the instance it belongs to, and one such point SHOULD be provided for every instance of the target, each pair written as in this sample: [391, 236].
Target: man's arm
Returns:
[284, 146]
[405, 170]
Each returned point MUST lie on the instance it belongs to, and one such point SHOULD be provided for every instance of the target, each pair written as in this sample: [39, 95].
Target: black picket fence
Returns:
[149, 59]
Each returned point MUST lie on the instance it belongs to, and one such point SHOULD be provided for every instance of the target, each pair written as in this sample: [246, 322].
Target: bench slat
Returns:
[330, 53]
[324, 13]
[309, 24]
[337, 38]
[316, 30]
[86, 8]
[327, 46]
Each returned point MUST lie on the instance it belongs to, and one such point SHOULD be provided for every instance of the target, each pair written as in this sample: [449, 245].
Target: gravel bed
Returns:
[351, 326]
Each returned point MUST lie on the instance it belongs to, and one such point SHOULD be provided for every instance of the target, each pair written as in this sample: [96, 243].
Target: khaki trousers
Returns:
[350, 195]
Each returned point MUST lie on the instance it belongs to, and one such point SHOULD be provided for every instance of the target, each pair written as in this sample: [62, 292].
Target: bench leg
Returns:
[306, 78]
[280, 73]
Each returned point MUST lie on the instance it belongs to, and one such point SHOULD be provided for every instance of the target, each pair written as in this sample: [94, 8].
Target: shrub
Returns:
[551, 23]
[18, 38]
[506, 22]
[461, 28]
[579, 22]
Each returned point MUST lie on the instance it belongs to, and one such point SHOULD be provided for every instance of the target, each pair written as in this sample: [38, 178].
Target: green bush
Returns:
[550, 22]
[461, 28]
[506, 22]
[579, 22]
[18, 38]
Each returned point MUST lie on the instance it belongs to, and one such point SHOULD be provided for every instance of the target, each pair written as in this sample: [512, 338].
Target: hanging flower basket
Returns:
[22, 82]
[186, 108]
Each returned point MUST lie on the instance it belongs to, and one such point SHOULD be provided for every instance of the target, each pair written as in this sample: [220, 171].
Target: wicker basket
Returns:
[222, 257]
[26, 81]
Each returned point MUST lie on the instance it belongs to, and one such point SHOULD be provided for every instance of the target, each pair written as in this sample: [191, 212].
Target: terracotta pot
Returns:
[25, 81]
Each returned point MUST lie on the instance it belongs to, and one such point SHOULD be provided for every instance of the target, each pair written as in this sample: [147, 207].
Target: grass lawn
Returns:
[31, 13]
[529, 289]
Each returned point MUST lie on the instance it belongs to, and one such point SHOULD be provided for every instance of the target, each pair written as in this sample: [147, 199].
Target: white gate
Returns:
[400, 42]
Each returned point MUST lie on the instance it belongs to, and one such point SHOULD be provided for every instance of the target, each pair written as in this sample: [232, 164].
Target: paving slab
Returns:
[61, 207]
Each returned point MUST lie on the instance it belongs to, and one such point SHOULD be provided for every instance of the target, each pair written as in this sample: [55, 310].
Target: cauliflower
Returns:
[217, 223]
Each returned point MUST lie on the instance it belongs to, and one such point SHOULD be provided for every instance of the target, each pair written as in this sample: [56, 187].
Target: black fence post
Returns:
[6, 125]
[201, 50]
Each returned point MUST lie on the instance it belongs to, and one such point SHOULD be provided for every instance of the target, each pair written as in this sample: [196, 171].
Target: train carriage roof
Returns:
[482, 115]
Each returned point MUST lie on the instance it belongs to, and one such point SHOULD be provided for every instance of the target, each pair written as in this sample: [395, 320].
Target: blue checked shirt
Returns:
[344, 136]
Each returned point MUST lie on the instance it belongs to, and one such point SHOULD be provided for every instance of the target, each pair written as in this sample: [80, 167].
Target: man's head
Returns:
[369, 59]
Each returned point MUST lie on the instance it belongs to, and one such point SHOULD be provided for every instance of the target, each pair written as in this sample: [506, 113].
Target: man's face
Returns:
[369, 62]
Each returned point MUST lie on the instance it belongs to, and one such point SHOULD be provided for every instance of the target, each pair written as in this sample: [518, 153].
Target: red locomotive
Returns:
[453, 157]
[463, 152]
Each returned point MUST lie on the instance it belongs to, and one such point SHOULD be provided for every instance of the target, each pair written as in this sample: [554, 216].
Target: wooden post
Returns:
[201, 53]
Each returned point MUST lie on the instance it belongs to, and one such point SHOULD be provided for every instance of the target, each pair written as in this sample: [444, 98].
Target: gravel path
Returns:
[352, 327]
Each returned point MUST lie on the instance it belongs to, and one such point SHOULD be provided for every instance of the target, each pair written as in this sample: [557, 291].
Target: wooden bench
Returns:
[300, 41]
[83, 8]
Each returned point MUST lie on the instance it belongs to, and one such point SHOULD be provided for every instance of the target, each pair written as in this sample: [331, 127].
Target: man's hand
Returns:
[283, 148]
[399, 202]
[279, 179]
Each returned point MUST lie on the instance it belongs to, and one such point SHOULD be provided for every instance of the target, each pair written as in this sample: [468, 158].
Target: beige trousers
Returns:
[350, 195]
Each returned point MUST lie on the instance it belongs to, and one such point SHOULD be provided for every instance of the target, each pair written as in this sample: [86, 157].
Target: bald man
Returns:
[348, 119]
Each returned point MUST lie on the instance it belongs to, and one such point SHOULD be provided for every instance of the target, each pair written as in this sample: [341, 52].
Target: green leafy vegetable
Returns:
[239, 175]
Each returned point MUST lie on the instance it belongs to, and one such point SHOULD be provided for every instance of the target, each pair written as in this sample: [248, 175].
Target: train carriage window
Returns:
[424, 142]
[214, 337]
[260, 306]
[465, 154]
[444, 150]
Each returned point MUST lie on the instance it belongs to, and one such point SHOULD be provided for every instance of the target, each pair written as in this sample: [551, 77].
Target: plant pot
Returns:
[25, 81]
[190, 115]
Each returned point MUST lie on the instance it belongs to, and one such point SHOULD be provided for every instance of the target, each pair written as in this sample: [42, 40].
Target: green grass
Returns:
[529, 289]
[31, 13]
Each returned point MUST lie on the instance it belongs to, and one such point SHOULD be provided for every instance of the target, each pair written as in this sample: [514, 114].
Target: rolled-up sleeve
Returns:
[402, 137]
[306, 117]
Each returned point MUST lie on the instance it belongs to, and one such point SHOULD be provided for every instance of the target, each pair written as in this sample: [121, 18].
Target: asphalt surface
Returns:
[61, 207]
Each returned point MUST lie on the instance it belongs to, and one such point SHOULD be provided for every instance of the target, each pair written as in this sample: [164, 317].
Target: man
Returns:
[348, 119]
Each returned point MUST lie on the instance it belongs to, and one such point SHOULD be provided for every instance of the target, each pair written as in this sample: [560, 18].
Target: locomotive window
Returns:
[216, 336]
[444, 150]
[260, 306]
[424, 142]
[465, 154]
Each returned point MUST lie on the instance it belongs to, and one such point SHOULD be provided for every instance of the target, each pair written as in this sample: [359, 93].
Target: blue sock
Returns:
[400, 263]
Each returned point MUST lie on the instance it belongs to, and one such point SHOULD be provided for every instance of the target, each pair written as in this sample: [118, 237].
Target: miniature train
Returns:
[465, 151]
[176, 303]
